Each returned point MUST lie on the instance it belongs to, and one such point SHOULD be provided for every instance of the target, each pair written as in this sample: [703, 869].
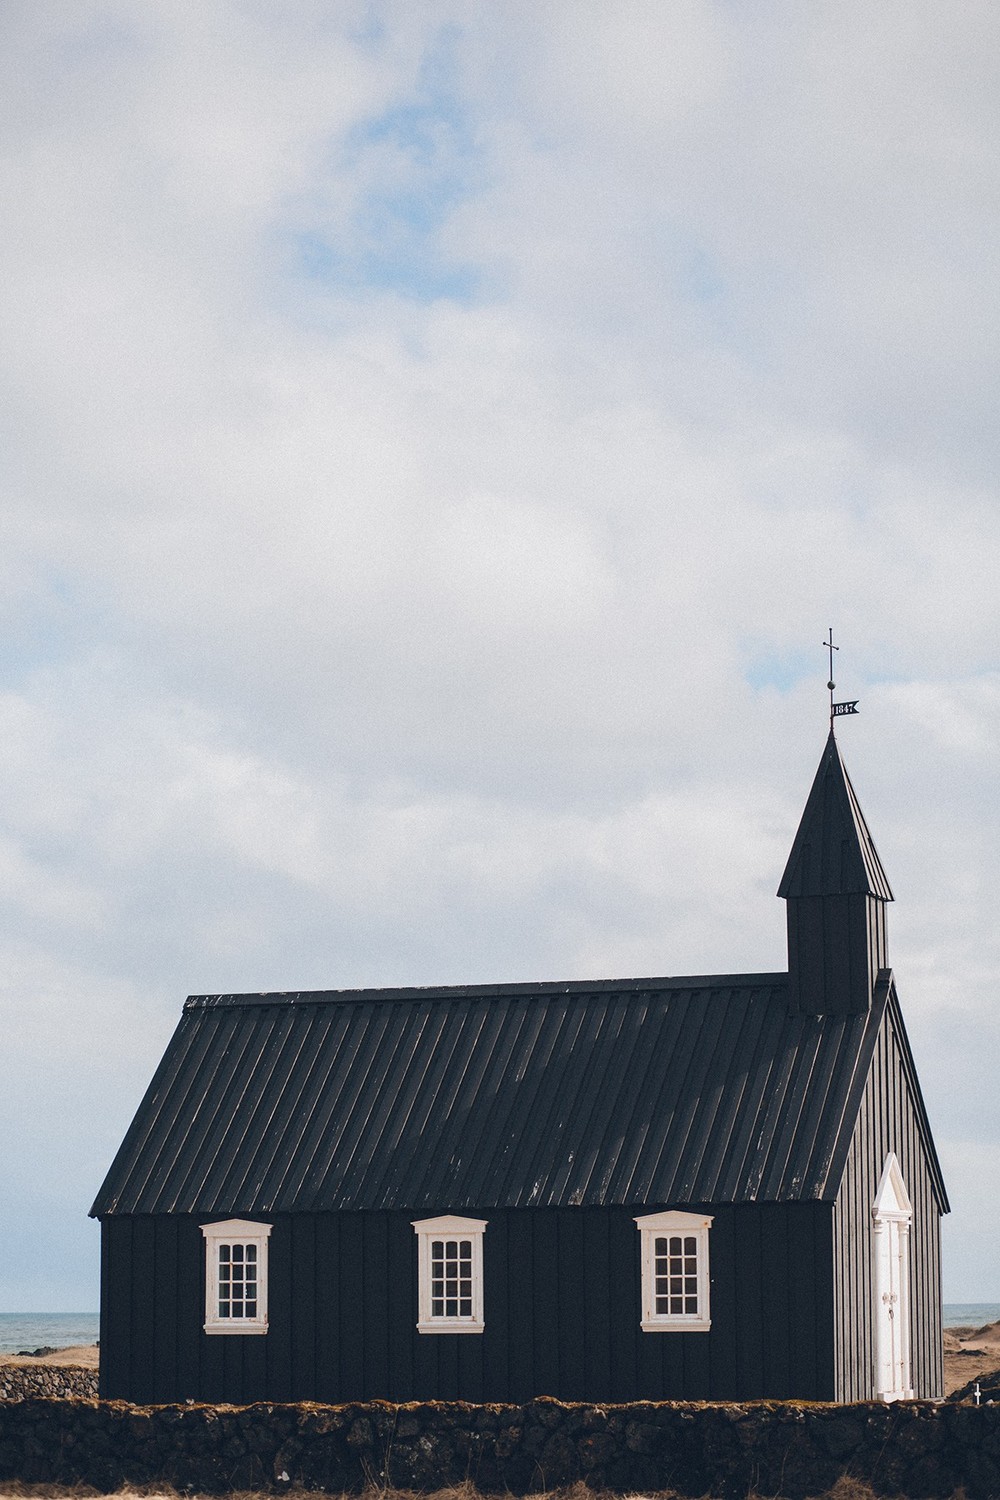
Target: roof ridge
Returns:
[487, 991]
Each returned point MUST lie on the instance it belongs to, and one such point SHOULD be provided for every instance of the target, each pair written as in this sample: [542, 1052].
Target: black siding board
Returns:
[142, 1288]
[823, 1301]
[748, 1302]
[844, 951]
[449, 1379]
[376, 1304]
[166, 1310]
[190, 1307]
[596, 1300]
[470, 1366]
[277, 1345]
[496, 1307]
[774, 1296]
[116, 1309]
[400, 1306]
[722, 1343]
[329, 1274]
[302, 1318]
[352, 1307]
[625, 1304]
[211, 1368]
[572, 1311]
[801, 1310]
[520, 1273]
[254, 1369]
[544, 1293]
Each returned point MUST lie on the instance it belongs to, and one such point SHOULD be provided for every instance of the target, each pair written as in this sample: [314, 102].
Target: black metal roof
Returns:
[658, 1091]
[833, 853]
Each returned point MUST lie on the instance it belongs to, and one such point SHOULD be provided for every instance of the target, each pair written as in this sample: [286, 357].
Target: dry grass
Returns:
[844, 1489]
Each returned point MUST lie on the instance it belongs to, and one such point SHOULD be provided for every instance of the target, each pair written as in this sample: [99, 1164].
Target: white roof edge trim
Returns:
[674, 1219]
[892, 1201]
[449, 1224]
[252, 1228]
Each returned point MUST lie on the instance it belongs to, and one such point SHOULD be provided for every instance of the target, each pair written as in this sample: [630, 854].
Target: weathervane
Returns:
[837, 709]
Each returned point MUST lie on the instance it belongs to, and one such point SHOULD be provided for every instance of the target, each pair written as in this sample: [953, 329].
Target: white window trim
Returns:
[243, 1232]
[448, 1226]
[674, 1222]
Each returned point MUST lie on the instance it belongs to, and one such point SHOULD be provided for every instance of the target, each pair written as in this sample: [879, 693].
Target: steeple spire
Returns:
[836, 890]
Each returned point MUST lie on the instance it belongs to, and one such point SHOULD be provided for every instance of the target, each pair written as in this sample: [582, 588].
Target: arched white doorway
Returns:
[893, 1215]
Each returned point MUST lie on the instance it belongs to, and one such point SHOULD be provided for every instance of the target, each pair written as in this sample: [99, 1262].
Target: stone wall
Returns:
[18, 1381]
[913, 1448]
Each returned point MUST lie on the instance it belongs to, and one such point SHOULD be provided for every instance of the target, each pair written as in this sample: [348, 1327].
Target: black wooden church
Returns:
[715, 1187]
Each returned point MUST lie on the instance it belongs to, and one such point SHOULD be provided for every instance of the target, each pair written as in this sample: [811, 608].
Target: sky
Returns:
[435, 440]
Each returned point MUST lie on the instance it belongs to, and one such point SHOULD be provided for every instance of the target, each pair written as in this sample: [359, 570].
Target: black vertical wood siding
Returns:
[888, 1120]
[836, 948]
[562, 1301]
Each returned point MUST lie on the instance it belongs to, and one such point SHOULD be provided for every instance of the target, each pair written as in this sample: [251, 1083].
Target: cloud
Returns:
[436, 443]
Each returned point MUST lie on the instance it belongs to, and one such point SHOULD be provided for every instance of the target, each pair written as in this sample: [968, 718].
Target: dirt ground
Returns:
[86, 1355]
[970, 1353]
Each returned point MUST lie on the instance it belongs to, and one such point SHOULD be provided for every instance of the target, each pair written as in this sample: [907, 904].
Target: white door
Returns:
[892, 1215]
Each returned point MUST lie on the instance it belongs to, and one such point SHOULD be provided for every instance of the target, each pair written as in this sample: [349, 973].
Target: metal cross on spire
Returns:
[837, 709]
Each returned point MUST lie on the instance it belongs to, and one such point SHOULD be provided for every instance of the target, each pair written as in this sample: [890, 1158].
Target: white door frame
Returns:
[892, 1214]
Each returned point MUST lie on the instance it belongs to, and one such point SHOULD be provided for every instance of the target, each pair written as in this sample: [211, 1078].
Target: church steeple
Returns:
[836, 890]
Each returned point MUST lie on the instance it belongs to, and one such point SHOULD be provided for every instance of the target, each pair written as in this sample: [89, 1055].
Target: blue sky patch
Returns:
[413, 165]
[783, 670]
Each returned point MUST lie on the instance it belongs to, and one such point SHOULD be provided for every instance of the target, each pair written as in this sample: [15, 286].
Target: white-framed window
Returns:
[236, 1276]
[675, 1279]
[450, 1274]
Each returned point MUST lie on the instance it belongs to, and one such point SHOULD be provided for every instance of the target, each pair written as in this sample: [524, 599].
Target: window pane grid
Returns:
[451, 1279]
[237, 1266]
[675, 1275]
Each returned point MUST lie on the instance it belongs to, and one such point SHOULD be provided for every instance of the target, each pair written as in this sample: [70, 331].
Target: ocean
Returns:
[58, 1330]
[970, 1314]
